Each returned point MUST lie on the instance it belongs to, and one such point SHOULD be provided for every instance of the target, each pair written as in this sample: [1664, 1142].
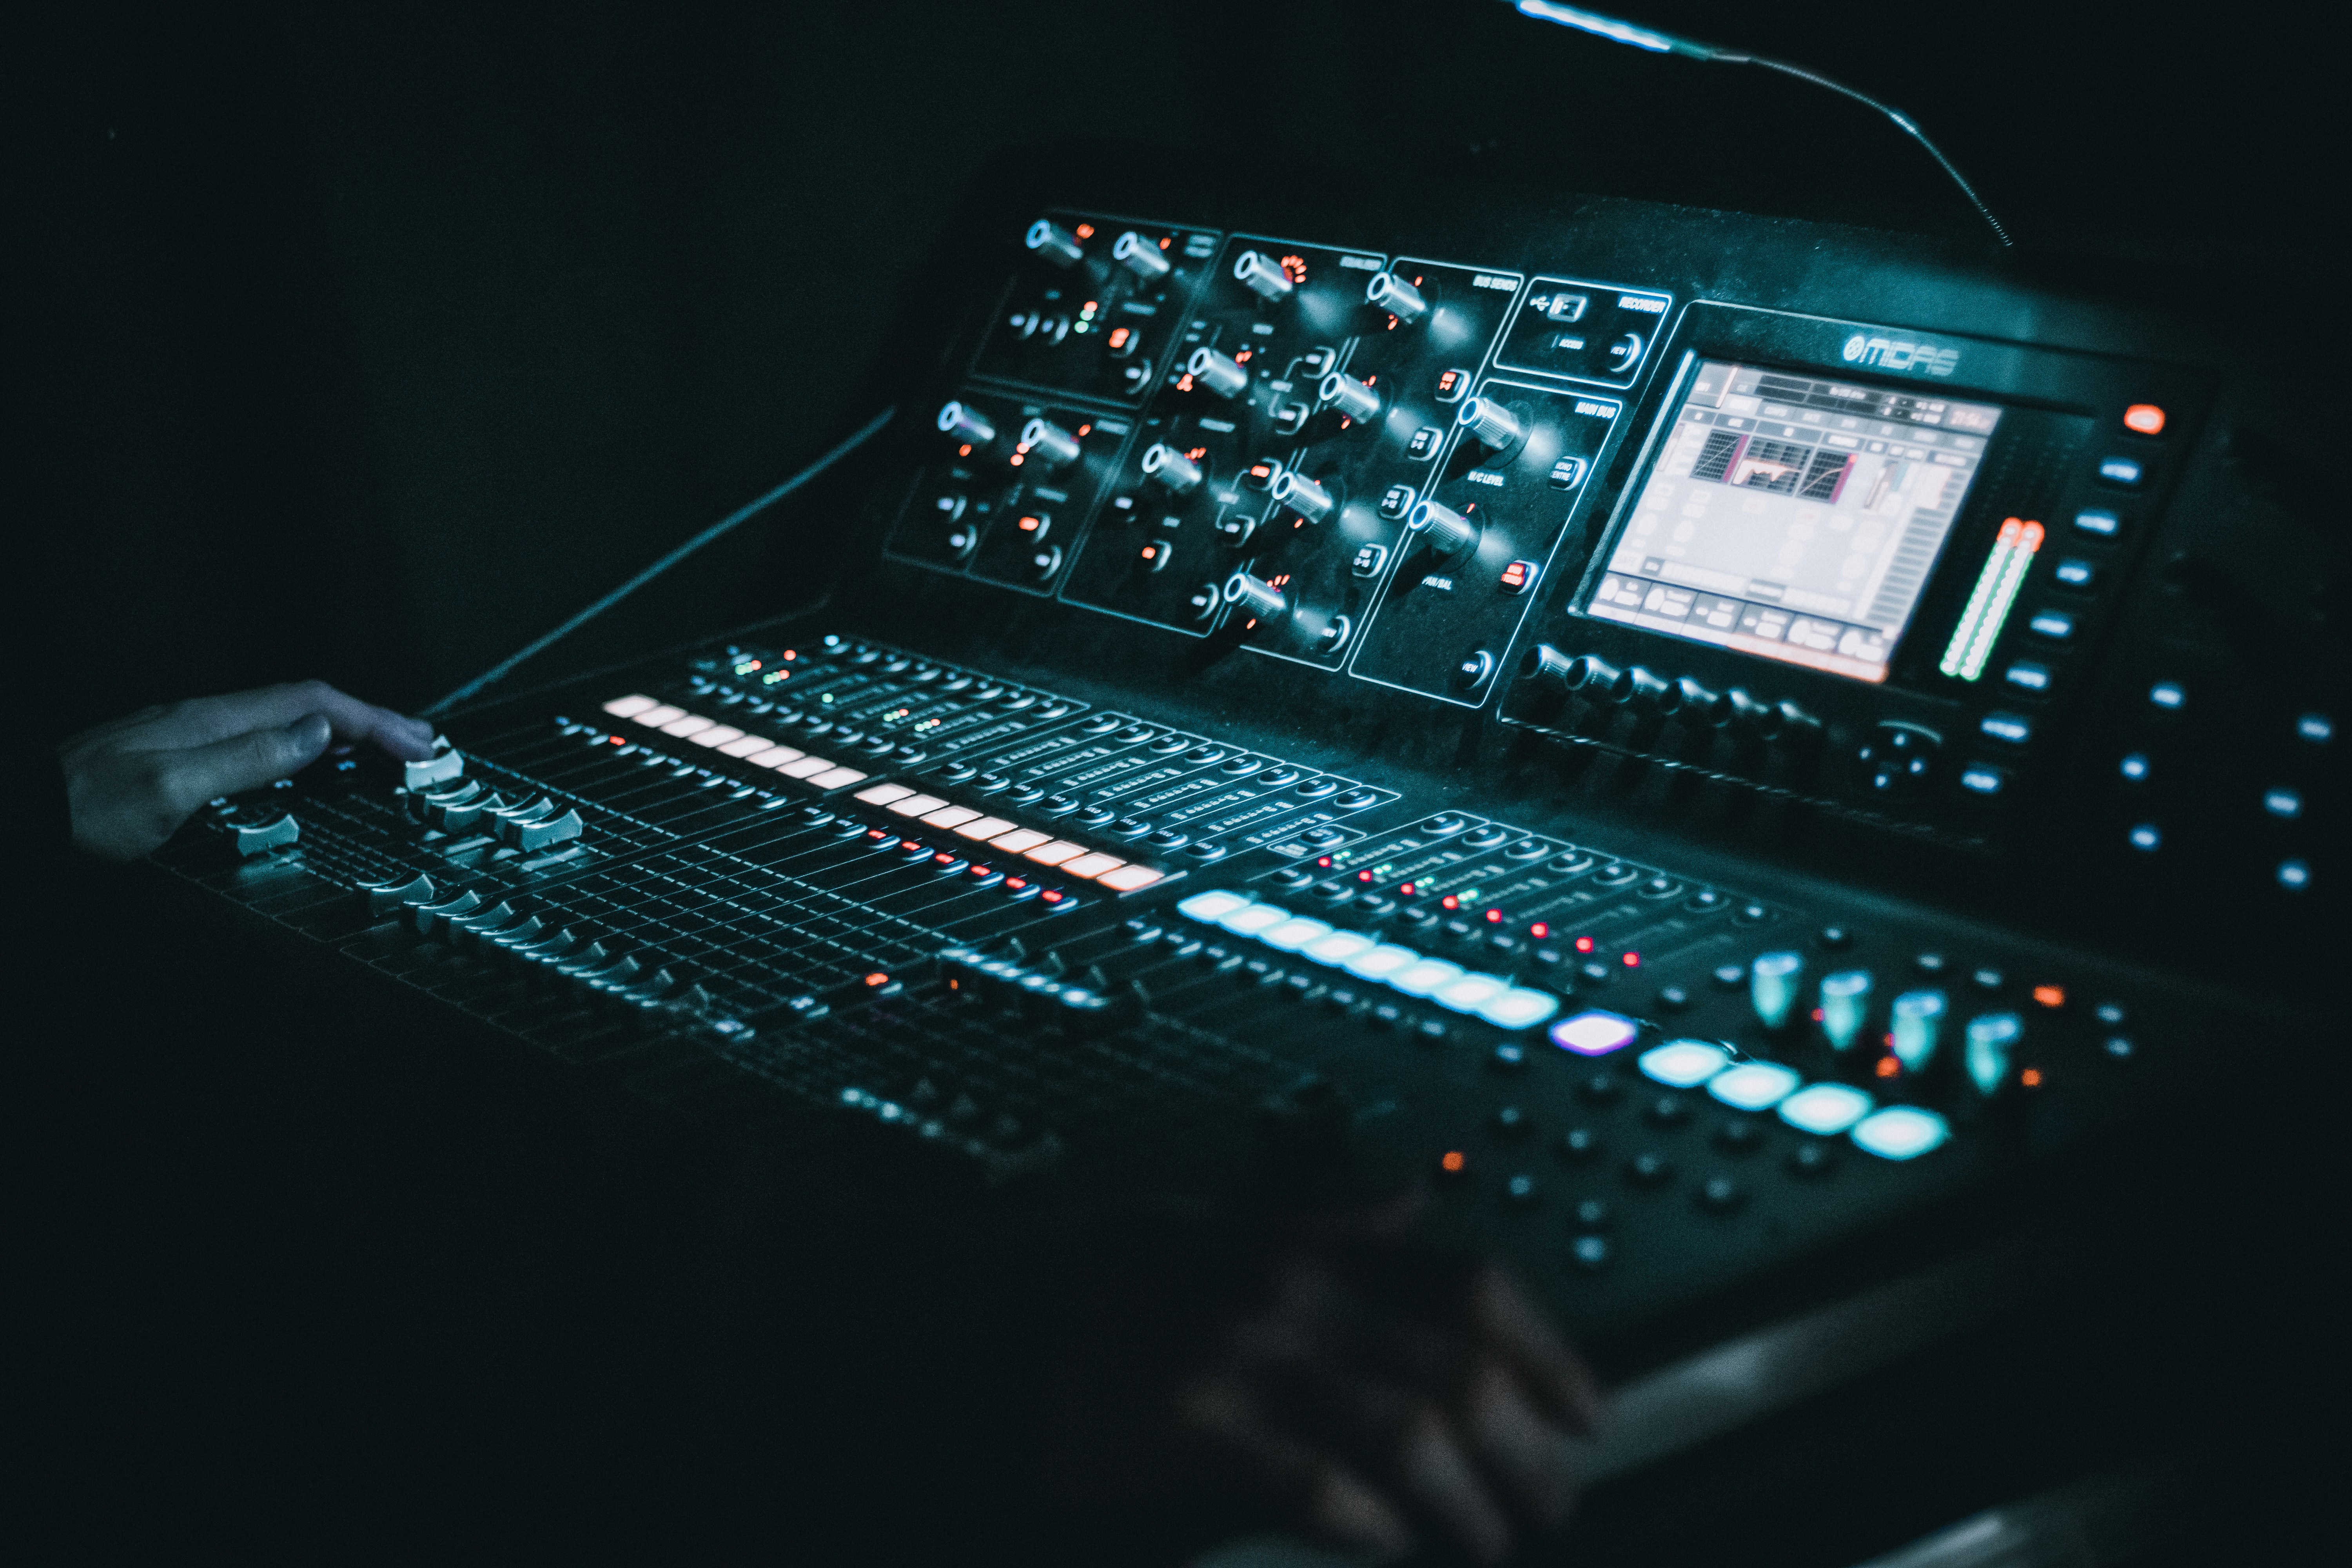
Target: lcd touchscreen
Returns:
[1794, 517]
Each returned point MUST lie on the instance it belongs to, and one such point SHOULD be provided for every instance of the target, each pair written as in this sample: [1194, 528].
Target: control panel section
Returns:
[1097, 307]
[1183, 509]
[1274, 320]
[1585, 331]
[1011, 488]
[1477, 545]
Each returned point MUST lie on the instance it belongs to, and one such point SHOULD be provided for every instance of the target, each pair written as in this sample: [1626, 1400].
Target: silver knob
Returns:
[1254, 597]
[1219, 373]
[963, 422]
[1170, 468]
[1053, 447]
[1652, 691]
[1053, 243]
[1845, 1005]
[1304, 496]
[1397, 297]
[1140, 256]
[1265, 278]
[1441, 527]
[1546, 663]
[1350, 396]
[1495, 425]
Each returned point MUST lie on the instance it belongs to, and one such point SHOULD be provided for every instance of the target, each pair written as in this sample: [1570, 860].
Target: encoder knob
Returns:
[1140, 256]
[1263, 278]
[1398, 298]
[1049, 443]
[962, 422]
[1649, 691]
[1221, 373]
[1051, 242]
[1170, 468]
[1254, 597]
[1304, 496]
[1440, 528]
[1495, 425]
[1845, 1005]
[1547, 665]
[1350, 396]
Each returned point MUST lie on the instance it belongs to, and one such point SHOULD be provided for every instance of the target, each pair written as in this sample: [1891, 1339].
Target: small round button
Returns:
[1578, 1145]
[1591, 1213]
[1476, 669]
[1720, 1194]
[1649, 1170]
[1590, 1253]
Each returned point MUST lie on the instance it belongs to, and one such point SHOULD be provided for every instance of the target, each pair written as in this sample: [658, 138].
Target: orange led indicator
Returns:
[1452, 1161]
[1118, 336]
[1888, 1067]
[2146, 418]
[1165, 243]
[964, 450]
[2050, 995]
[1016, 883]
[1086, 231]
[1028, 525]
[877, 978]
[2031, 1078]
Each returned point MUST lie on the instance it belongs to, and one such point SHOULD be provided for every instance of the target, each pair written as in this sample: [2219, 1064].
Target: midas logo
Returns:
[1898, 353]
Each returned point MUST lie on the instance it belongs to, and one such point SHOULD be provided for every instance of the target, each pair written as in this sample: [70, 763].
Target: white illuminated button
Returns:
[956, 817]
[1337, 948]
[1087, 867]
[914, 804]
[746, 746]
[986, 828]
[1595, 1034]
[1825, 1109]
[717, 735]
[837, 777]
[1470, 992]
[1021, 840]
[1293, 934]
[629, 707]
[809, 767]
[1211, 906]
[1128, 879]
[687, 725]
[1754, 1086]
[884, 794]
[1381, 962]
[1684, 1064]
[775, 756]
[1252, 919]
[1519, 1007]
[2293, 875]
[1425, 978]
[2283, 803]
[659, 714]
[1901, 1132]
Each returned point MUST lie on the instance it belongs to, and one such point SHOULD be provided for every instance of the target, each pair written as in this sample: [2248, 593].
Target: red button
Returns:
[2146, 418]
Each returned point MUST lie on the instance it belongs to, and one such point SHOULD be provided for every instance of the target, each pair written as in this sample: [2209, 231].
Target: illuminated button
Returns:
[809, 768]
[1518, 1007]
[1825, 1110]
[1211, 907]
[1128, 879]
[2098, 524]
[775, 756]
[1684, 1064]
[1380, 962]
[2053, 626]
[950, 816]
[659, 714]
[2168, 695]
[2144, 419]
[1566, 473]
[1019, 843]
[1370, 560]
[1470, 992]
[916, 804]
[986, 828]
[2294, 875]
[2075, 573]
[837, 777]
[2317, 728]
[2030, 677]
[1293, 933]
[1595, 1034]
[2146, 838]
[2124, 473]
[1054, 852]
[1338, 947]
[1918, 1018]
[884, 794]
[1754, 1086]
[746, 746]
[1424, 443]
[1251, 919]
[1901, 1132]
[1425, 978]
[1451, 384]
[629, 707]
[1773, 986]
[1087, 867]
[1518, 575]
[1984, 779]
[2013, 728]
[1991, 1041]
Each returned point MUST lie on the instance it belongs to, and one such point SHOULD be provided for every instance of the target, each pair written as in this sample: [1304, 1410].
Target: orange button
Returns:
[2145, 418]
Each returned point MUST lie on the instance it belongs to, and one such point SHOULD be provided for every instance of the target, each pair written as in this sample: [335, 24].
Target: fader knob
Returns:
[1264, 277]
[1219, 373]
[1917, 1017]
[1302, 495]
[1845, 1005]
[1170, 468]
[962, 422]
[1991, 1041]
[1350, 396]
[1440, 528]
[1400, 298]
[1254, 597]
[1494, 425]
[1773, 986]
[1049, 443]
[1140, 256]
[1053, 243]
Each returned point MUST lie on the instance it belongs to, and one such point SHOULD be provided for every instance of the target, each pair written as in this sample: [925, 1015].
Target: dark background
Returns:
[369, 341]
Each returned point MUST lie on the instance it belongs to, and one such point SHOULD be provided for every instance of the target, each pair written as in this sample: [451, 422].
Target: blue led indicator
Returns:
[1983, 780]
[2032, 677]
[2294, 875]
[2135, 767]
[2104, 525]
[2124, 471]
[2013, 728]
[2168, 694]
[2146, 837]
[2317, 728]
[2283, 803]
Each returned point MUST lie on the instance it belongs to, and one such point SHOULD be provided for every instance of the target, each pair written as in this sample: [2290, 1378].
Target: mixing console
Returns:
[1700, 752]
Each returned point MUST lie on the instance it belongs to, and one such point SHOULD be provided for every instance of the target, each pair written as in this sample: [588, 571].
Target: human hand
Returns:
[131, 784]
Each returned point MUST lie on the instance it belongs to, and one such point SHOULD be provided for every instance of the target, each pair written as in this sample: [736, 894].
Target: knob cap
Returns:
[1304, 496]
[1699, 703]
[1255, 598]
[1773, 986]
[1596, 678]
[1440, 528]
[1264, 277]
[1049, 443]
[1140, 256]
[1350, 396]
[1053, 243]
[962, 422]
[1545, 664]
[1644, 690]
[1397, 297]
[1492, 425]
[1918, 1019]
[1170, 468]
[1845, 1005]
[1221, 373]
[1991, 1041]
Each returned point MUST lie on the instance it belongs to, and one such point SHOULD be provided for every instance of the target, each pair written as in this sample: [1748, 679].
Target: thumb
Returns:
[245, 761]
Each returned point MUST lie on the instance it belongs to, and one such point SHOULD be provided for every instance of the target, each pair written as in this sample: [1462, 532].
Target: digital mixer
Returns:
[1718, 744]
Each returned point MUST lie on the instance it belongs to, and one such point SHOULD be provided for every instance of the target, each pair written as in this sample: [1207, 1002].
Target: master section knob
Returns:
[1140, 256]
[1389, 292]
[1255, 598]
[1304, 496]
[962, 422]
[1049, 443]
[1350, 397]
[1494, 425]
[1053, 243]
[1264, 277]
[1221, 373]
[1440, 528]
[1172, 468]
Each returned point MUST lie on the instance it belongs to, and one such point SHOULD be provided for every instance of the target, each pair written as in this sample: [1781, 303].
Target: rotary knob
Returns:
[1494, 425]
[1171, 467]
[1400, 298]
[1304, 496]
[962, 422]
[1441, 529]
[1051, 242]
[1263, 278]
[1049, 443]
[1255, 598]
[1350, 397]
[1221, 373]
[1140, 256]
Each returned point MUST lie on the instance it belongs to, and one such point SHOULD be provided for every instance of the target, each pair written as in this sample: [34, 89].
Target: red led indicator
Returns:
[1242, 357]
[964, 450]
[1584, 944]
[1028, 525]
[1450, 901]
[1363, 875]
[944, 857]
[2146, 418]
[1494, 917]
[1151, 552]
[1085, 429]
[1406, 888]
[1118, 336]
[1539, 931]
[1051, 896]
[981, 871]
[876, 833]
[616, 740]
[1016, 883]
[2050, 995]
[1323, 861]
[1515, 575]
[1165, 243]
[877, 978]
[1632, 961]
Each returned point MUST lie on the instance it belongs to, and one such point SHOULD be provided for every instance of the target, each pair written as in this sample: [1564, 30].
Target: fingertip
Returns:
[307, 736]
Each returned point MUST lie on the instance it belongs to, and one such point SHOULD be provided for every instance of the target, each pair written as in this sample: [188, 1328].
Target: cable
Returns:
[1649, 38]
[716, 531]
